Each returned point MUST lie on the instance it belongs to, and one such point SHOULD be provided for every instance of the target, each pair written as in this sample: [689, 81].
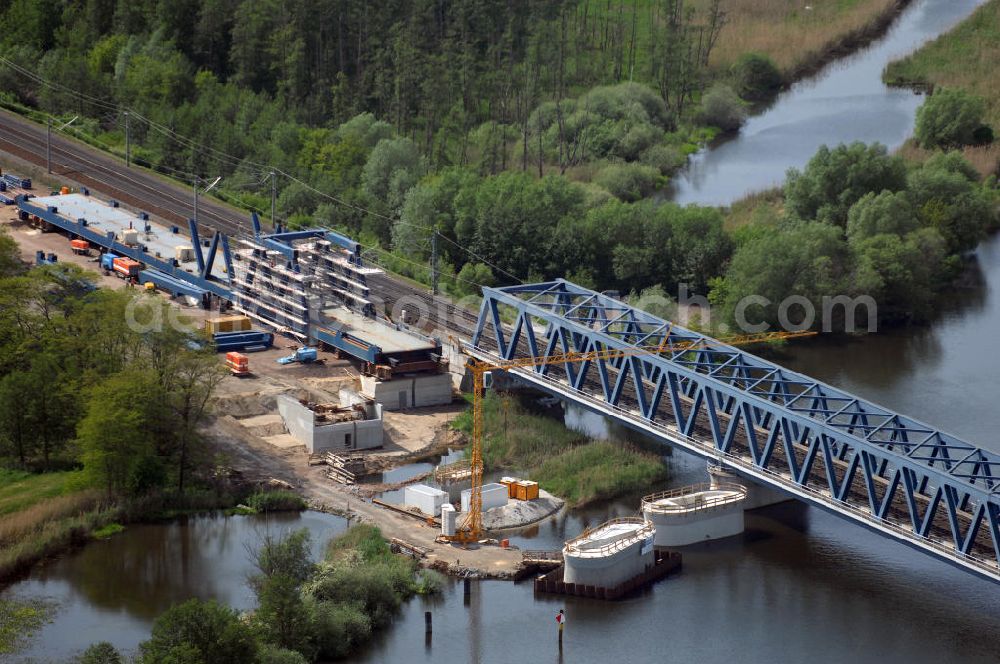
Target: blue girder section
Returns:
[859, 460]
[79, 228]
[348, 343]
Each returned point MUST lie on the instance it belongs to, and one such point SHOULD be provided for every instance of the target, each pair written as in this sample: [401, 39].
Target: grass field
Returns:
[792, 35]
[788, 32]
[966, 58]
[19, 490]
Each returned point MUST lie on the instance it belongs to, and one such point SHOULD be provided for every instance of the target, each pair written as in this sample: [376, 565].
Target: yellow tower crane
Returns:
[471, 529]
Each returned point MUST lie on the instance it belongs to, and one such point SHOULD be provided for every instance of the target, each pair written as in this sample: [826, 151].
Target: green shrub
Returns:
[100, 653]
[108, 530]
[950, 118]
[721, 107]
[663, 158]
[271, 654]
[629, 182]
[597, 471]
[429, 582]
[756, 77]
[835, 179]
[197, 631]
[339, 628]
[276, 501]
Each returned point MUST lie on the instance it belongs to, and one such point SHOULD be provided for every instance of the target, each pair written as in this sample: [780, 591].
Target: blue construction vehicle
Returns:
[304, 355]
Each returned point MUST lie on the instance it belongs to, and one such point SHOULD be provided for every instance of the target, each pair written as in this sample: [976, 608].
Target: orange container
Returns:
[238, 363]
[511, 484]
[79, 246]
[527, 490]
[505, 544]
[127, 267]
[64, 191]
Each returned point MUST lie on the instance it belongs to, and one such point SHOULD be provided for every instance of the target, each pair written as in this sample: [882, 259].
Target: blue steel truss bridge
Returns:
[882, 470]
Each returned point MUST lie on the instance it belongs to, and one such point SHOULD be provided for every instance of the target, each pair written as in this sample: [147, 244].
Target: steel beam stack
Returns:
[287, 279]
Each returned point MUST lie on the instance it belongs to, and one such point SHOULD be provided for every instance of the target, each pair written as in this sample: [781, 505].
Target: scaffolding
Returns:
[288, 286]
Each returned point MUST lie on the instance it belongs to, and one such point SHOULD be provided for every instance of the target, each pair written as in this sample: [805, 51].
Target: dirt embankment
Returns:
[258, 460]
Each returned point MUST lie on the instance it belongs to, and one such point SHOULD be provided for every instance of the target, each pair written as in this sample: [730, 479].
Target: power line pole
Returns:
[274, 195]
[434, 262]
[128, 143]
[48, 144]
[195, 187]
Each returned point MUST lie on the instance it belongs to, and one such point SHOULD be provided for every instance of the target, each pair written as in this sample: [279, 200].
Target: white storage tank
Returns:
[425, 498]
[494, 495]
[449, 517]
[695, 513]
[610, 554]
[130, 236]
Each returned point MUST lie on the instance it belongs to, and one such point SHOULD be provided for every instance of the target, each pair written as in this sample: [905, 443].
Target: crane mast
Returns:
[472, 527]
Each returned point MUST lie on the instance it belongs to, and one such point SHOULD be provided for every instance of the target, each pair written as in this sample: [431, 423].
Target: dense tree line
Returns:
[97, 379]
[860, 222]
[310, 87]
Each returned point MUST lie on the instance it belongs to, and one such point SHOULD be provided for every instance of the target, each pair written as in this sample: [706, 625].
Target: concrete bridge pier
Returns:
[758, 495]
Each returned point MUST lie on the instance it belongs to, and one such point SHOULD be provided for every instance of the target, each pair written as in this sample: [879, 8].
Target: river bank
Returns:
[845, 101]
[963, 58]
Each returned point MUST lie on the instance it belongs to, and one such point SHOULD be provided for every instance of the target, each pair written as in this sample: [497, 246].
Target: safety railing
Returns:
[722, 495]
[621, 541]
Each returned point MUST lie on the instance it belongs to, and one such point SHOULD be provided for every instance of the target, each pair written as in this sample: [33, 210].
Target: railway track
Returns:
[172, 202]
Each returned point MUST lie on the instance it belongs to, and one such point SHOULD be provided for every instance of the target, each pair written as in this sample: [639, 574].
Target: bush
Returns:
[471, 277]
[429, 582]
[198, 632]
[884, 213]
[100, 653]
[722, 108]
[836, 179]
[756, 77]
[629, 182]
[983, 135]
[339, 628]
[663, 158]
[950, 118]
[372, 588]
[274, 655]
[598, 470]
[276, 501]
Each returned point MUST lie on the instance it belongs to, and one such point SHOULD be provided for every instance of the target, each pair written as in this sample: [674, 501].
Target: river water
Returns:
[846, 102]
[799, 585]
[112, 590]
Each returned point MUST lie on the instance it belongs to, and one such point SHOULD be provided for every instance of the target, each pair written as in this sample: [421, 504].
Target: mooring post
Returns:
[428, 626]
[467, 590]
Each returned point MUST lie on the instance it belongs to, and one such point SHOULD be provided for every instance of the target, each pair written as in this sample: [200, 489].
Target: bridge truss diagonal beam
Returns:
[864, 462]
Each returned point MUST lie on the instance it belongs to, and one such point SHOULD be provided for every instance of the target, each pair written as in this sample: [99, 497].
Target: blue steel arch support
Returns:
[861, 461]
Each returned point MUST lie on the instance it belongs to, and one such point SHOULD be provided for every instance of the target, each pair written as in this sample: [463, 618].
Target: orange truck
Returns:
[126, 268]
[238, 363]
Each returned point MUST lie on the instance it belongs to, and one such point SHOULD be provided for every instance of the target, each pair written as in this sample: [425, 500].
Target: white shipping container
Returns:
[494, 495]
[425, 498]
